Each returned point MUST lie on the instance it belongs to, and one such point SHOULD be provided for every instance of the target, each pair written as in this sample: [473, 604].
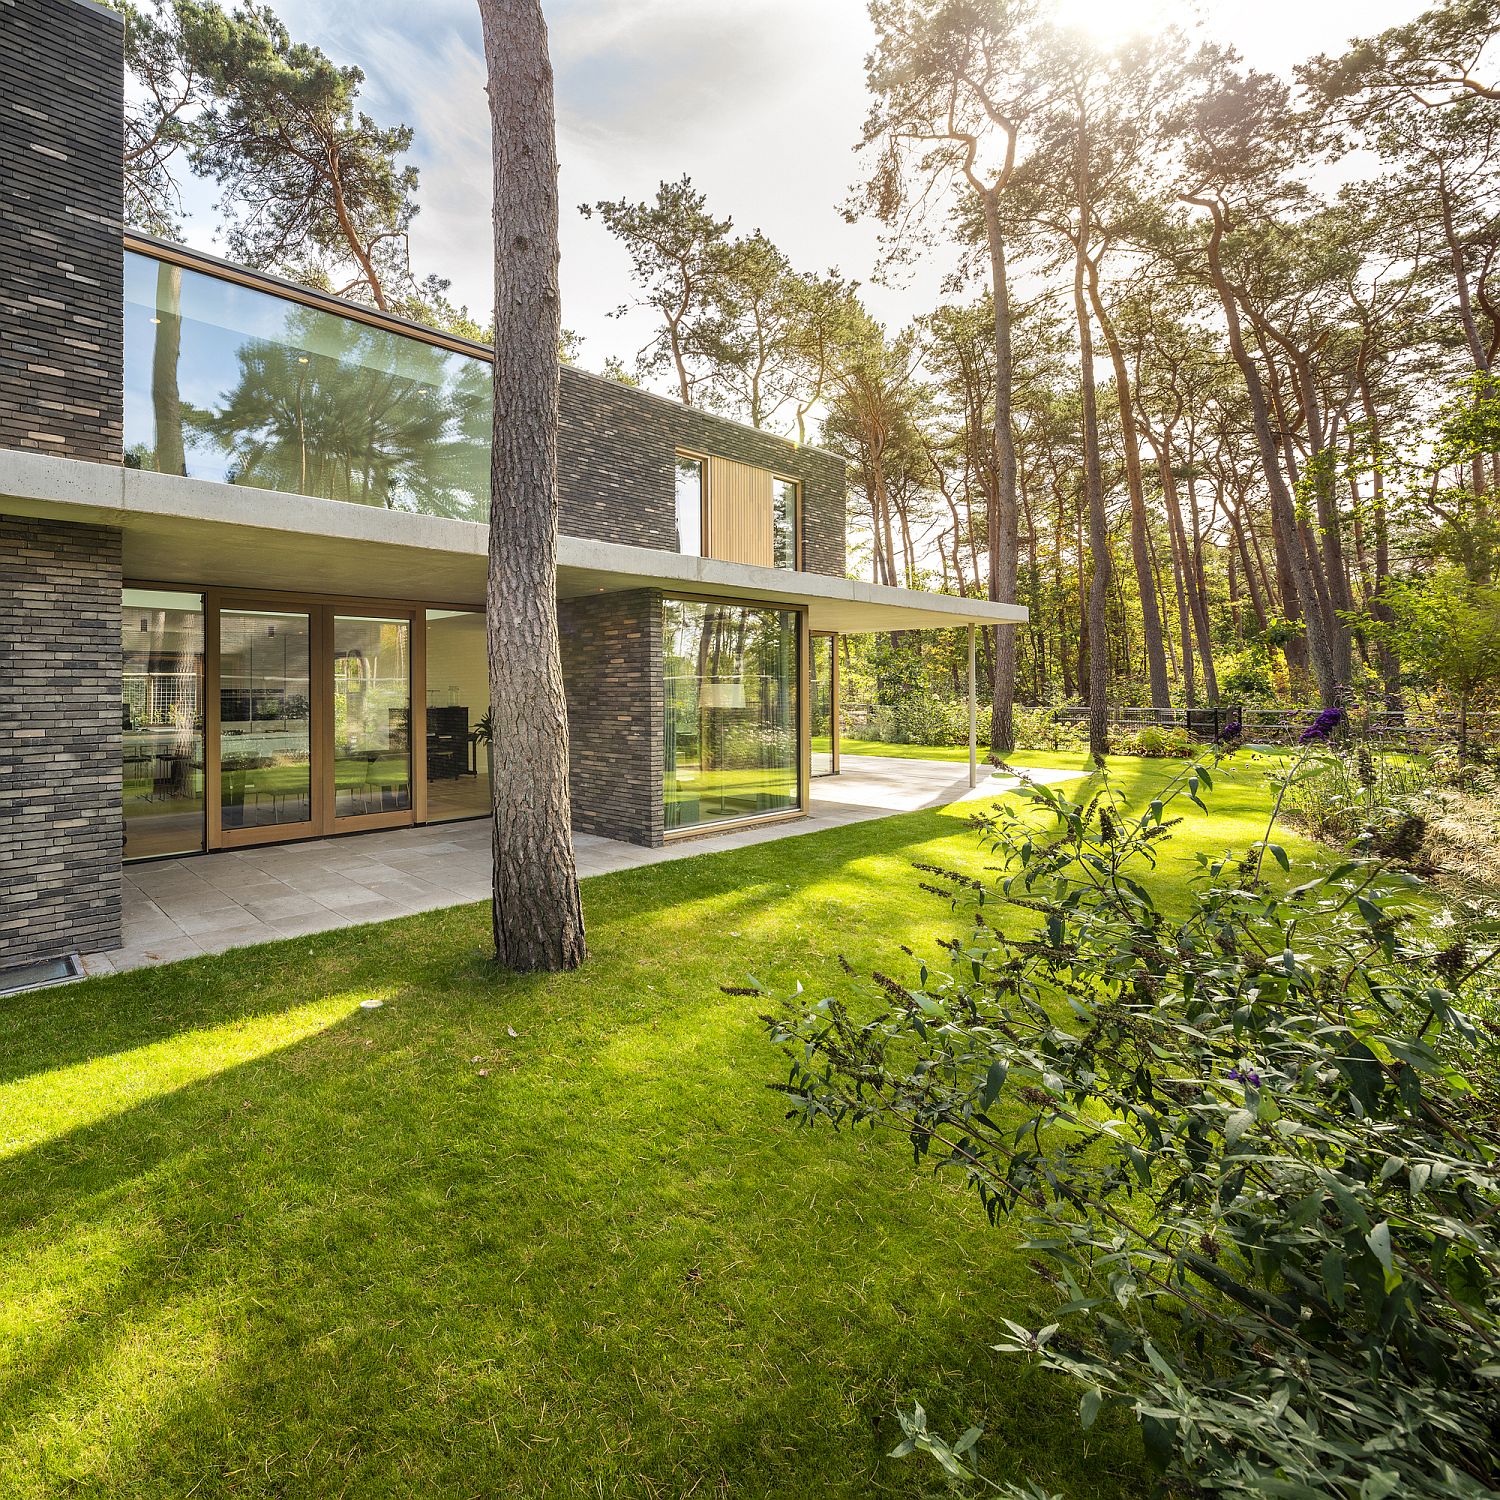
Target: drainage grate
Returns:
[39, 976]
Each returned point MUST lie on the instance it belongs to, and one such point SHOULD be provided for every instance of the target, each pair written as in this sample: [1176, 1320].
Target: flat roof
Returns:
[198, 532]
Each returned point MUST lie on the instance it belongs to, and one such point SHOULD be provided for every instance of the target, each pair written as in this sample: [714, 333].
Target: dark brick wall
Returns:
[62, 107]
[611, 656]
[615, 467]
[60, 821]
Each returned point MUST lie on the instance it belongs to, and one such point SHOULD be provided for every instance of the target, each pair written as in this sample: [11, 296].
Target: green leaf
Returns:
[1088, 1407]
[994, 1081]
[1333, 1277]
[1279, 855]
[1379, 1241]
[1160, 1438]
[1236, 1125]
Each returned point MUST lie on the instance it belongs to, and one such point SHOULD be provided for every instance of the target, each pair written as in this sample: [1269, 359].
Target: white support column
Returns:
[973, 719]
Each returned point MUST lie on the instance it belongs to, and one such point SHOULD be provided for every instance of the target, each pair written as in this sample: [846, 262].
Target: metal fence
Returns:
[1283, 725]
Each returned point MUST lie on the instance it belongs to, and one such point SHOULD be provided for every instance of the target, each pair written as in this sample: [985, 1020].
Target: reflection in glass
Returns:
[458, 695]
[784, 496]
[820, 707]
[265, 718]
[731, 712]
[689, 506]
[236, 384]
[371, 716]
[161, 707]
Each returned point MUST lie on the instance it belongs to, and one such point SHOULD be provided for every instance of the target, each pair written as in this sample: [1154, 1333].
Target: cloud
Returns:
[759, 101]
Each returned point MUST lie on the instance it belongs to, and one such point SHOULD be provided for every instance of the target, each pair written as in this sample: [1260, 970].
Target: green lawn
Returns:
[913, 752]
[258, 1241]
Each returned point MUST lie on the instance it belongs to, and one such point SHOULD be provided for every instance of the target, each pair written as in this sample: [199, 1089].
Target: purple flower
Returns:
[1322, 726]
[1244, 1075]
[1230, 732]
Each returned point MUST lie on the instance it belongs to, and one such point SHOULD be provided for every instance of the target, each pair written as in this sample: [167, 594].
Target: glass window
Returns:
[731, 707]
[785, 496]
[161, 709]
[690, 505]
[458, 696]
[371, 716]
[235, 384]
[820, 678]
[265, 717]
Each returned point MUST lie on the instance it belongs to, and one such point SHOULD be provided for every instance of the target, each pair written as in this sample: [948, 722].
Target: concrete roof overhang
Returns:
[199, 533]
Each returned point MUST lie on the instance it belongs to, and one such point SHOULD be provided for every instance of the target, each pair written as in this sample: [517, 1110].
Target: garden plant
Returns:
[1251, 1136]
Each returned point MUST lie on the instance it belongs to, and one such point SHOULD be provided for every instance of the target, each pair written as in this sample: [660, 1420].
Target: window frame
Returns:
[796, 484]
[701, 459]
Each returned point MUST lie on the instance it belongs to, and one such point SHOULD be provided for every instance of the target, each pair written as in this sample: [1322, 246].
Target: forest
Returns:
[1209, 389]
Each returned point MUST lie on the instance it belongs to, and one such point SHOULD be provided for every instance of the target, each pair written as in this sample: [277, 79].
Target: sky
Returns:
[761, 102]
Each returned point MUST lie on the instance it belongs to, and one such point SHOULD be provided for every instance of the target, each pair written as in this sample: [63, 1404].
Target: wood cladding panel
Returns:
[739, 513]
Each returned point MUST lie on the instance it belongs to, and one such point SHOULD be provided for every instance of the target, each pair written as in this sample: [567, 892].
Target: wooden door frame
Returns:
[321, 611]
[216, 836]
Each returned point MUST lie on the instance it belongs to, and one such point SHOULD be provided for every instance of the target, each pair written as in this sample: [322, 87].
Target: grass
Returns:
[956, 752]
[501, 1236]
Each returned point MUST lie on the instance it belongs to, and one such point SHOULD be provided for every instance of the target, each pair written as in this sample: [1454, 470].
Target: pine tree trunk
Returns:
[1283, 508]
[1092, 468]
[1156, 655]
[538, 917]
[166, 397]
[1003, 514]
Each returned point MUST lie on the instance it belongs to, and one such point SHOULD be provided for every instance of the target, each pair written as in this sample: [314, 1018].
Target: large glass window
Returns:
[371, 716]
[265, 718]
[233, 383]
[731, 712]
[821, 667]
[458, 723]
[785, 495]
[689, 505]
[161, 712]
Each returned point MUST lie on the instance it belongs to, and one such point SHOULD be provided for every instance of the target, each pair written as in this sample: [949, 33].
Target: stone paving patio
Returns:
[206, 903]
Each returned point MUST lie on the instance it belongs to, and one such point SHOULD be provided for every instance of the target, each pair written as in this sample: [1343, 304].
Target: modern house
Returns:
[243, 554]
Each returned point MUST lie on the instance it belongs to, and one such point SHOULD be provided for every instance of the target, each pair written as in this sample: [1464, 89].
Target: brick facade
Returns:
[616, 446]
[62, 116]
[612, 667]
[60, 819]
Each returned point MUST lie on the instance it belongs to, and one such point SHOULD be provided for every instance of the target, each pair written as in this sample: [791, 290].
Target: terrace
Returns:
[180, 908]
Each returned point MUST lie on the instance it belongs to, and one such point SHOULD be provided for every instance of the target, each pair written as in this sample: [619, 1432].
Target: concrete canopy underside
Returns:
[194, 532]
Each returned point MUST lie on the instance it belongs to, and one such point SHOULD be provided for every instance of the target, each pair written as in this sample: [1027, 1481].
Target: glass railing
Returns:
[235, 383]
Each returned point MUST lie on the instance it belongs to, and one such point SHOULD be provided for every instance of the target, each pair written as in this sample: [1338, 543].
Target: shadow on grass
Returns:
[543, 1235]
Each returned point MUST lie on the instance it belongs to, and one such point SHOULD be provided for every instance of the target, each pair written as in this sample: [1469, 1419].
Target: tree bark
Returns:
[1092, 468]
[1003, 515]
[537, 912]
[1156, 656]
[1283, 509]
[166, 397]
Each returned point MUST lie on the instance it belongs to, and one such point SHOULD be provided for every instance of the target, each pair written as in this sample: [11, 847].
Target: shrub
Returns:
[1242, 1138]
[1041, 729]
[945, 721]
[925, 720]
[1248, 676]
[1357, 793]
[1153, 741]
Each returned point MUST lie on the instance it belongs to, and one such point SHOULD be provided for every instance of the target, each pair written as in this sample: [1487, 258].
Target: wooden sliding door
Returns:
[309, 717]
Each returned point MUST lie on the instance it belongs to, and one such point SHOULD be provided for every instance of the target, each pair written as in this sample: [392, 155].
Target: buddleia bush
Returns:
[1246, 1139]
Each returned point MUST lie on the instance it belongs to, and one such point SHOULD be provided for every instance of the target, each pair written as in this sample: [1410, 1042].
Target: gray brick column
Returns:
[60, 820]
[62, 112]
[611, 655]
[62, 104]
